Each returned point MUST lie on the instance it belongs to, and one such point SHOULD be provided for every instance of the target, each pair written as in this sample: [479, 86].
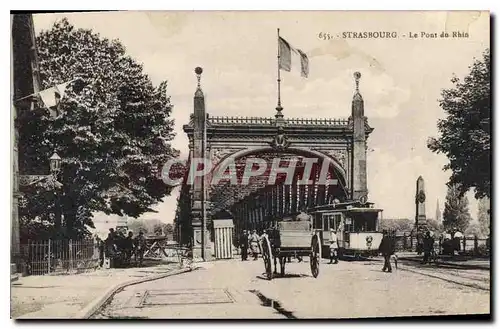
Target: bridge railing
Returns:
[318, 121]
[267, 121]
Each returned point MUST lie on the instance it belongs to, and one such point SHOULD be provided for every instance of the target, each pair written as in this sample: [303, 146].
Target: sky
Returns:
[401, 81]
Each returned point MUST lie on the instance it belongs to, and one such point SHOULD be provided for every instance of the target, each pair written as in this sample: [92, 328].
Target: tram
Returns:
[356, 223]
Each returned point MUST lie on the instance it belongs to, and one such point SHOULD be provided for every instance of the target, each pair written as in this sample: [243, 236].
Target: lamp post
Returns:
[55, 169]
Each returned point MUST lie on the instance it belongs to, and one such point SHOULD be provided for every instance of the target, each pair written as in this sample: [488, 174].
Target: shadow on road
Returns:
[268, 302]
[279, 276]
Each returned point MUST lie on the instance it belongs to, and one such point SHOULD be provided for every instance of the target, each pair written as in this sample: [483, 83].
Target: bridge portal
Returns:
[328, 157]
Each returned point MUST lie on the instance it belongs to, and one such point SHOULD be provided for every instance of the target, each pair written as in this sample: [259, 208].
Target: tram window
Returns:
[348, 225]
[338, 219]
[325, 222]
[317, 222]
[331, 221]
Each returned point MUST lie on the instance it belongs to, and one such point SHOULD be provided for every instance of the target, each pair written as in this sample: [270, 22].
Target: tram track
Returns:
[467, 277]
[433, 275]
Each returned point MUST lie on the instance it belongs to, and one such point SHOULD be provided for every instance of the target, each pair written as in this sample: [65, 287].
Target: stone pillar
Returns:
[201, 241]
[420, 218]
[359, 186]
[293, 204]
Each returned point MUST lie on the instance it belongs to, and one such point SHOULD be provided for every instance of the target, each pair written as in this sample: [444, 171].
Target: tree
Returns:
[113, 135]
[483, 216]
[137, 226]
[456, 210]
[169, 228]
[465, 133]
[158, 229]
[163, 228]
[398, 224]
[434, 225]
[473, 229]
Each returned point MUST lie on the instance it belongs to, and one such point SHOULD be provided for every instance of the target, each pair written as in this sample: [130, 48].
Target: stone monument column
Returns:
[359, 187]
[200, 241]
[420, 218]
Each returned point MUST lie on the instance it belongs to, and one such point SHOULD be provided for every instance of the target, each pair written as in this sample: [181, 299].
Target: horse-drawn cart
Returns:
[290, 238]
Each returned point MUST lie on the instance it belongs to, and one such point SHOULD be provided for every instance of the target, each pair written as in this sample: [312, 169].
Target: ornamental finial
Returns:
[199, 93]
[357, 76]
[198, 70]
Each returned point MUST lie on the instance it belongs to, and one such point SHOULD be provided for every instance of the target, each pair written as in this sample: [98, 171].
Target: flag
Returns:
[53, 95]
[289, 57]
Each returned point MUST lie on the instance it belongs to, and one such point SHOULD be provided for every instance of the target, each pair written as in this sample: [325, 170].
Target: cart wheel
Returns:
[267, 256]
[315, 255]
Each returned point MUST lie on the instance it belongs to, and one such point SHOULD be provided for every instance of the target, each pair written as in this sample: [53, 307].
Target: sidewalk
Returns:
[64, 296]
[458, 261]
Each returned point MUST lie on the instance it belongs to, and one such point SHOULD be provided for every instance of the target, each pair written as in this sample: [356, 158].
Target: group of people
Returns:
[387, 247]
[249, 241]
[119, 248]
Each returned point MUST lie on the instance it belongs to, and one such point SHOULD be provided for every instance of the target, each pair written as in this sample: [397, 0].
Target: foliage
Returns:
[456, 210]
[113, 134]
[398, 224]
[483, 216]
[434, 225]
[473, 229]
[137, 225]
[162, 228]
[465, 134]
[151, 226]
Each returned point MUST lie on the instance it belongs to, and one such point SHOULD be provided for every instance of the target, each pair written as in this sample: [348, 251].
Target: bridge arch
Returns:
[223, 163]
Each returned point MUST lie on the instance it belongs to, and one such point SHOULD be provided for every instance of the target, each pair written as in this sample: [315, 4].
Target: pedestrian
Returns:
[420, 243]
[128, 247]
[244, 245]
[334, 247]
[386, 248]
[428, 245]
[254, 244]
[140, 246]
[101, 247]
[111, 247]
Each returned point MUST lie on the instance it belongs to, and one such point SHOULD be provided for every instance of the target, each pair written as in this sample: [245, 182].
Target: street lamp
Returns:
[55, 164]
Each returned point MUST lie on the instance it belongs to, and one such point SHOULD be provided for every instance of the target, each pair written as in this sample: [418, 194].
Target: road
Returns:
[234, 289]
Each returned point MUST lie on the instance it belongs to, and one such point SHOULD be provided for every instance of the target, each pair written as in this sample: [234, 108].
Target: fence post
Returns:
[70, 250]
[476, 245]
[48, 258]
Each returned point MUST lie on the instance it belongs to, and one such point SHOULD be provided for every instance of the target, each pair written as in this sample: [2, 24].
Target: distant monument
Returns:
[420, 219]
[438, 212]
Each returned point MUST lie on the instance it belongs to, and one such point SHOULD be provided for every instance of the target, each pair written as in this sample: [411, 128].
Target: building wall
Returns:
[25, 81]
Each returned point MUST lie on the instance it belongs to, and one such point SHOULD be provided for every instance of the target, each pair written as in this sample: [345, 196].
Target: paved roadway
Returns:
[234, 289]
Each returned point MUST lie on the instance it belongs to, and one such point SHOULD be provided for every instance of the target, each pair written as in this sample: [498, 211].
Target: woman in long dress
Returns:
[254, 244]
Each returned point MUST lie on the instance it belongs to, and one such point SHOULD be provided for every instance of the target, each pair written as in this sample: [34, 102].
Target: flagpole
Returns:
[278, 107]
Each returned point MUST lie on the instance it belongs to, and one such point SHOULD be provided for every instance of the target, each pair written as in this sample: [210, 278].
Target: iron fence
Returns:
[467, 245]
[59, 257]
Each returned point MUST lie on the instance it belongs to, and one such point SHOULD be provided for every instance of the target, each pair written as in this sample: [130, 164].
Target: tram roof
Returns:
[352, 206]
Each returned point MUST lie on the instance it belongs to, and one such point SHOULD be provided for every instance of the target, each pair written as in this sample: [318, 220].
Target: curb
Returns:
[469, 266]
[97, 303]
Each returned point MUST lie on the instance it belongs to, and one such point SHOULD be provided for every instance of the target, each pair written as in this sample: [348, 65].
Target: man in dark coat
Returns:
[128, 247]
[428, 246]
[244, 245]
[110, 243]
[386, 248]
[140, 247]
